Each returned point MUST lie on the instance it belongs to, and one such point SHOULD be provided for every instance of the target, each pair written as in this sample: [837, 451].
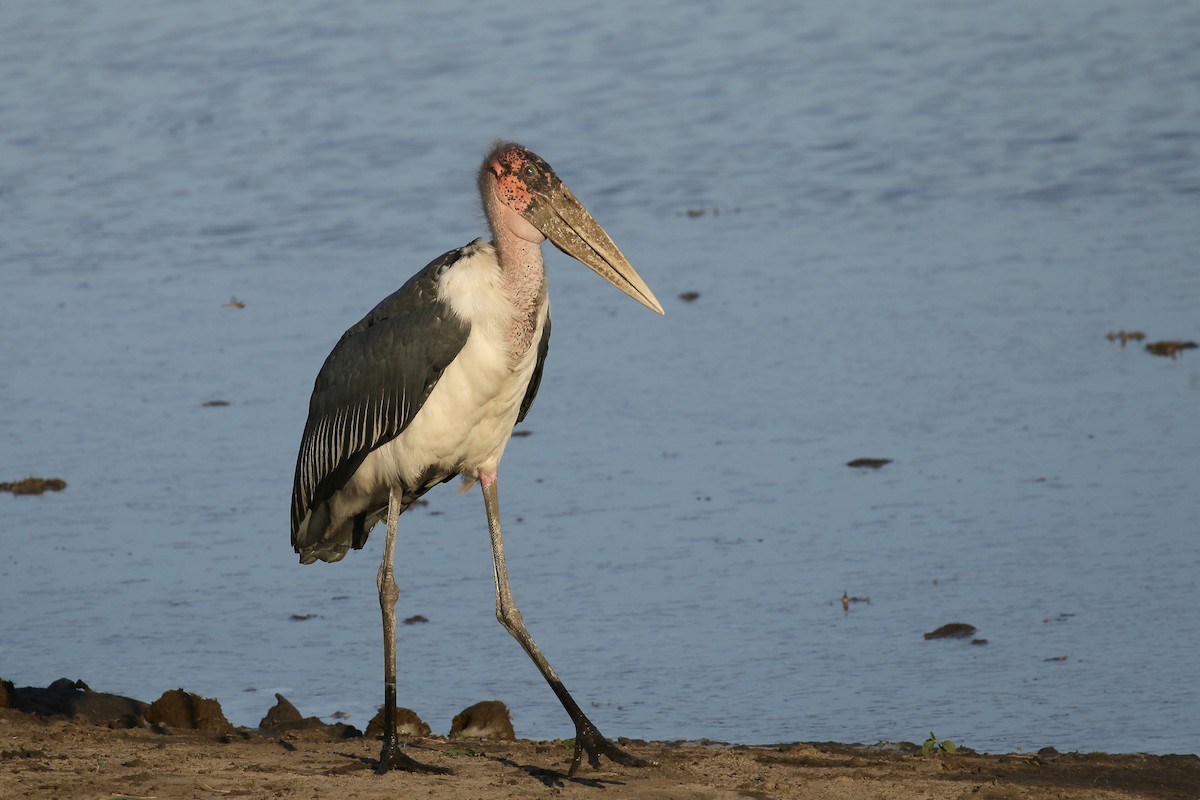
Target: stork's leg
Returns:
[392, 757]
[587, 738]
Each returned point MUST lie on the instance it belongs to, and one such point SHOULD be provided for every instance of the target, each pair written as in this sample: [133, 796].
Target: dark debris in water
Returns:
[869, 463]
[1125, 336]
[34, 486]
[415, 619]
[689, 297]
[952, 630]
[1169, 349]
[847, 599]
[214, 404]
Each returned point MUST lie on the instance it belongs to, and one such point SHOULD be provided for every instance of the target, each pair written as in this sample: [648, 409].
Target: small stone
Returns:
[281, 715]
[285, 718]
[179, 709]
[407, 724]
[487, 719]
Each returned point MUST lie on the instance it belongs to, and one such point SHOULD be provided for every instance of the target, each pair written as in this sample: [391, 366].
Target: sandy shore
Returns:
[52, 757]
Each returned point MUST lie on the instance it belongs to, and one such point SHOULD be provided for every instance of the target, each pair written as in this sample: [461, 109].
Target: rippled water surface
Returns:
[910, 227]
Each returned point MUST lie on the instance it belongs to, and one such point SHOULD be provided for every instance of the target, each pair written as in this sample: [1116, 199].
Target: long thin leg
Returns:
[392, 757]
[587, 738]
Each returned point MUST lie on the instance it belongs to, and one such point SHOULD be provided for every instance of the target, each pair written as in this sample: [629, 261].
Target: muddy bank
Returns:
[74, 700]
[59, 752]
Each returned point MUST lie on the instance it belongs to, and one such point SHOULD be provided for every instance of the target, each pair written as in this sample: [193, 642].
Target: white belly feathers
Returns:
[468, 418]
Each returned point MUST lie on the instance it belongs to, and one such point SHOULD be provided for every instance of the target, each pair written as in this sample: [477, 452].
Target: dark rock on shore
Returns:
[179, 709]
[74, 700]
[487, 719]
[407, 724]
[285, 718]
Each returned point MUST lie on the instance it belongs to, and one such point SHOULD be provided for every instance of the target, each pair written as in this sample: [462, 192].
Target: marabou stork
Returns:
[428, 386]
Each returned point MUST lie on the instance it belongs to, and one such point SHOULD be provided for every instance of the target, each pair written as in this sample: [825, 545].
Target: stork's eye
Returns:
[530, 171]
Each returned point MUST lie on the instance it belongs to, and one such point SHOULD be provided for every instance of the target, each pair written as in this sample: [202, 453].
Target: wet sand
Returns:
[54, 757]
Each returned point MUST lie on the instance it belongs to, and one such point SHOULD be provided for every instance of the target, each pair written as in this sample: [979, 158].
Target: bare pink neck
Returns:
[524, 276]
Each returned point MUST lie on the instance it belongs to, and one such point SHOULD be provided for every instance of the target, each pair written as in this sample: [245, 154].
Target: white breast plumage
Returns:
[467, 420]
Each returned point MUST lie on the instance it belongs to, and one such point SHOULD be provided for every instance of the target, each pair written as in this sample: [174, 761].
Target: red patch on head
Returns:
[510, 186]
[513, 158]
[514, 193]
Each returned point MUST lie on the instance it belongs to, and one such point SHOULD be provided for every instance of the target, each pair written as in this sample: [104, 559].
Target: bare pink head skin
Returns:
[526, 202]
[505, 179]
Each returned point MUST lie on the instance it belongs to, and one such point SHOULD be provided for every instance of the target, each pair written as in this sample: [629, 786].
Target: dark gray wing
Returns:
[536, 381]
[372, 385]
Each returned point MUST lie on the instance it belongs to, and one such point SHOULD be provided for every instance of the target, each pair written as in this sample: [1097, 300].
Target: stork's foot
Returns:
[392, 757]
[591, 741]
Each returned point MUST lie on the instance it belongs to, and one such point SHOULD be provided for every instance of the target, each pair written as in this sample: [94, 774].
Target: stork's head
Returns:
[534, 204]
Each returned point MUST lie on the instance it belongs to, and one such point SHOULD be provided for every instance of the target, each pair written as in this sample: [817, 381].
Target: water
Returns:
[920, 222]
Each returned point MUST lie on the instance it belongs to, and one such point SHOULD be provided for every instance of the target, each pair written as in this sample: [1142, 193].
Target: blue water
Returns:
[919, 222]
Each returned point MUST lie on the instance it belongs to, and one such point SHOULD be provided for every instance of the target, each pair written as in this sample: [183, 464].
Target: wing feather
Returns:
[535, 381]
[372, 385]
